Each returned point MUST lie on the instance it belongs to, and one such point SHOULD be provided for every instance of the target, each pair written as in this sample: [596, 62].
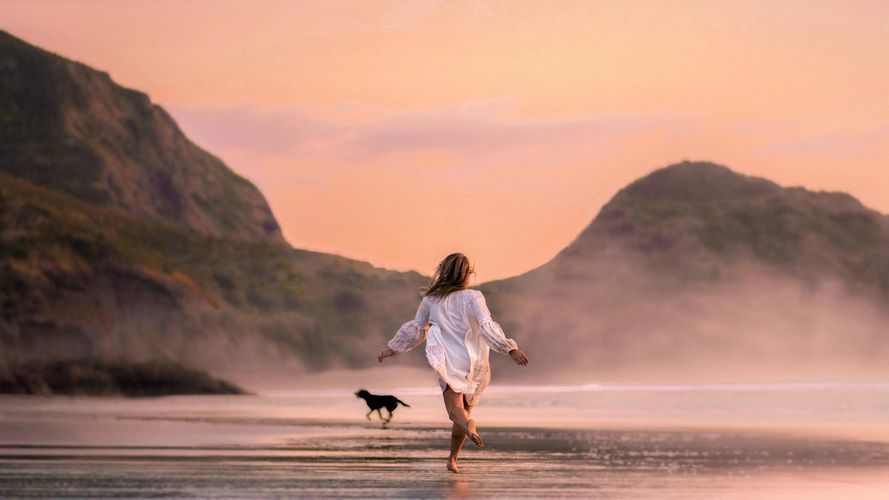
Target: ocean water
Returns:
[781, 440]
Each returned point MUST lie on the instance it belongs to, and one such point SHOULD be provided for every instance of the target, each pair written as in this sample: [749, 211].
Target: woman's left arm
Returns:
[489, 329]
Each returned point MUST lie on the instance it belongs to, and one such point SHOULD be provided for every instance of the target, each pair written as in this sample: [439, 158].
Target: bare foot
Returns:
[452, 465]
[472, 432]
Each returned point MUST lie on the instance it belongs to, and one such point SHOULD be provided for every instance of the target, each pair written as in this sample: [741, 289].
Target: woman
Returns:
[460, 334]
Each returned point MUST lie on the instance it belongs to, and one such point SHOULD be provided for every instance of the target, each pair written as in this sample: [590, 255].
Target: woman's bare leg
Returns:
[457, 412]
[454, 405]
[458, 437]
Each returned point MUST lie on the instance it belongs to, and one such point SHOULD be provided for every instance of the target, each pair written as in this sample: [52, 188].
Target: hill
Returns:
[696, 271]
[81, 281]
[68, 127]
[120, 240]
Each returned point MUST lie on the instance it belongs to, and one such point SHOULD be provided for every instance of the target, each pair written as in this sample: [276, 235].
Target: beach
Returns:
[778, 440]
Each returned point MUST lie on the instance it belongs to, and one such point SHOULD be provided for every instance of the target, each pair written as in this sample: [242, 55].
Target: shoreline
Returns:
[610, 444]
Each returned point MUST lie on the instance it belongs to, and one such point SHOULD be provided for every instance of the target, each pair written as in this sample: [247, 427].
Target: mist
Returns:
[618, 317]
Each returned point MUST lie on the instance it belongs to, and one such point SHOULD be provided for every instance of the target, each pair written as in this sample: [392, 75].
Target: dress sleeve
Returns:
[412, 333]
[489, 330]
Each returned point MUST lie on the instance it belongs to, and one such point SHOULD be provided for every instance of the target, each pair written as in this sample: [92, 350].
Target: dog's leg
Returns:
[368, 414]
[380, 414]
[390, 415]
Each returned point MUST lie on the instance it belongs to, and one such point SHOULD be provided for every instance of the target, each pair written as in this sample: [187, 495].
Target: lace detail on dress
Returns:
[482, 385]
[435, 355]
[410, 335]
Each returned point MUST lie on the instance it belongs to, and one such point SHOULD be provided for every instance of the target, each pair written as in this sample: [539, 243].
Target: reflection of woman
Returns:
[460, 333]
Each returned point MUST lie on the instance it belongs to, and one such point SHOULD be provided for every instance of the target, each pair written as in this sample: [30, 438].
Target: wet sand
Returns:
[317, 444]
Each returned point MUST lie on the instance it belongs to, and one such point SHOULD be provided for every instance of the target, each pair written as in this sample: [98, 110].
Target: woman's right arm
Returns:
[410, 335]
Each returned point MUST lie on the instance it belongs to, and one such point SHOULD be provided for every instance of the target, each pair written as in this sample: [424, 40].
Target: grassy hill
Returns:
[120, 239]
[696, 271]
[85, 281]
[69, 127]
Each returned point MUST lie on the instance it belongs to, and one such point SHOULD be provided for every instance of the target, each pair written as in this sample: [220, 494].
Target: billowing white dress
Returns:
[461, 334]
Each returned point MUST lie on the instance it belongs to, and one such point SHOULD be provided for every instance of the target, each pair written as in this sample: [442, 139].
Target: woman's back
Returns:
[450, 312]
[450, 325]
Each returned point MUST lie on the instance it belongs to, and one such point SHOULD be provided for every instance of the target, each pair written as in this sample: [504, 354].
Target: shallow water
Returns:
[750, 441]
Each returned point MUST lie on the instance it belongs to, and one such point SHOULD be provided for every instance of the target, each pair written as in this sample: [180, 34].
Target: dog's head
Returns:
[362, 394]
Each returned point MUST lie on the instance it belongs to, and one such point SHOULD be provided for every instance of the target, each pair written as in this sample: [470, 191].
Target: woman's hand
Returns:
[519, 357]
[385, 353]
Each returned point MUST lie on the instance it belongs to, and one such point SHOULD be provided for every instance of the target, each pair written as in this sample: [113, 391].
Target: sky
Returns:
[397, 132]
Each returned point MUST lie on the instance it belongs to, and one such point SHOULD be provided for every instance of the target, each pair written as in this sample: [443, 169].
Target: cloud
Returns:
[469, 130]
[258, 130]
[469, 133]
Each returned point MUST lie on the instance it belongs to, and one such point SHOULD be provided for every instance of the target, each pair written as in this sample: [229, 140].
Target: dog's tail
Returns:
[402, 403]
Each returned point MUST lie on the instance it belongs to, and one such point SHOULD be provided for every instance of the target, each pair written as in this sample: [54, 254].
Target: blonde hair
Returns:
[450, 275]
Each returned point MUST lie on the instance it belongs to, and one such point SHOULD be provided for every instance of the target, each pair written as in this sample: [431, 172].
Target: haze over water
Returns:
[807, 440]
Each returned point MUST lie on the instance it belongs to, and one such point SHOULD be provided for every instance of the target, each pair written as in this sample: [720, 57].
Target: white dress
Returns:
[461, 334]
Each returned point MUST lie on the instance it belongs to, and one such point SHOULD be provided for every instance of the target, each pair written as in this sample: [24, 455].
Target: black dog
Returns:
[375, 402]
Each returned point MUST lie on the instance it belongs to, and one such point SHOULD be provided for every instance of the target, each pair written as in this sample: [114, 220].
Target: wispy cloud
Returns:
[478, 129]
[262, 131]
[470, 133]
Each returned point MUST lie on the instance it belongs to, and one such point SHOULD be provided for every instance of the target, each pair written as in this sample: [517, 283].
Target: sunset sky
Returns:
[397, 132]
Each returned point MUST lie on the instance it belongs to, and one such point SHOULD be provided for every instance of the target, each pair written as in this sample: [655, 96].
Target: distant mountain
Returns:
[695, 269]
[68, 127]
[120, 240]
[80, 281]
[702, 214]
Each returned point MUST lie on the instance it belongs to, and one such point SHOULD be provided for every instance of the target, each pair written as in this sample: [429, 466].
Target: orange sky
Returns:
[396, 132]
